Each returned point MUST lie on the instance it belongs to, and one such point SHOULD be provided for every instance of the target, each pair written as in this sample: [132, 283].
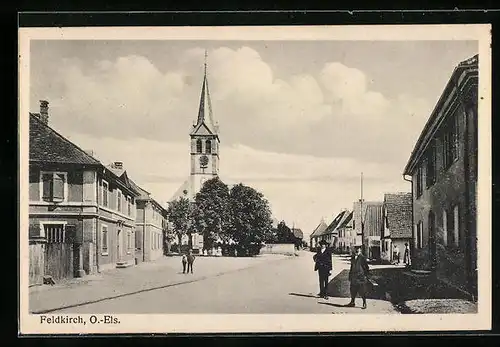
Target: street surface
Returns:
[287, 285]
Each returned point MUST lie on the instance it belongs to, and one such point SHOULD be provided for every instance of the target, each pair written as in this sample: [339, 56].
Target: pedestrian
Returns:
[323, 264]
[406, 255]
[190, 261]
[358, 277]
[396, 254]
[184, 263]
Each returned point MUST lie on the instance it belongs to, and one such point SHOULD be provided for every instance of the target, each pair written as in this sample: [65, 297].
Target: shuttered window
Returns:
[53, 186]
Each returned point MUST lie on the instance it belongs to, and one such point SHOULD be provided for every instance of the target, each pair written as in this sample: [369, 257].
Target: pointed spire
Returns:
[205, 116]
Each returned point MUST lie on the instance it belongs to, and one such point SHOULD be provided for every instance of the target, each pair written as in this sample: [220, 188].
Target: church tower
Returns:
[204, 141]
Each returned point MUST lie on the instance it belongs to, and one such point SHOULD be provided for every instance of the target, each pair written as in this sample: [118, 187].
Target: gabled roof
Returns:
[333, 225]
[399, 214]
[297, 233]
[347, 219]
[374, 221]
[467, 67]
[319, 229]
[48, 146]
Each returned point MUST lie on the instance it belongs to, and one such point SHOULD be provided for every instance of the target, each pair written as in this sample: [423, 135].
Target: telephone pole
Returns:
[361, 217]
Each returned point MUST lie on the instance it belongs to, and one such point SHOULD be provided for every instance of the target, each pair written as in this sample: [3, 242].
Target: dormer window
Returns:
[198, 146]
[208, 146]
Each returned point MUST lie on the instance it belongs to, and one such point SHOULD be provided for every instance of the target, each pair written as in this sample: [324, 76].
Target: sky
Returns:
[299, 121]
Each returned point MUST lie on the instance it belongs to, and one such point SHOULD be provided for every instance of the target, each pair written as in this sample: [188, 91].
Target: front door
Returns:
[119, 246]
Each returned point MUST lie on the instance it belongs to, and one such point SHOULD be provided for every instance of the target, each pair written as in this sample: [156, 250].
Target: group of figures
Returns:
[359, 273]
[214, 251]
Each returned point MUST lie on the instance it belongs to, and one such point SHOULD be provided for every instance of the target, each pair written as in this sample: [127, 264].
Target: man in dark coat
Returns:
[359, 277]
[323, 264]
[190, 261]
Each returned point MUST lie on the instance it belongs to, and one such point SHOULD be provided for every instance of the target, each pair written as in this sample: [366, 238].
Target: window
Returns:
[420, 238]
[450, 142]
[119, 201]
[419, 181]
[456, 235]
[431, 164]
[198, 146]
[129, 241]
[55, 233]
[354, 224]
[105, 193]
[129, 206]
[445, 227]
[208, 146]
[54, 186]
[104, 242]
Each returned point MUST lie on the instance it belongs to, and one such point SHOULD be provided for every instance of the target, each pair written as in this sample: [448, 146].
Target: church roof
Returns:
[205, 123]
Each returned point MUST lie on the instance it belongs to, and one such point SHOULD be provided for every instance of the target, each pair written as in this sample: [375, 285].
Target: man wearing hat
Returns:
[323, 264]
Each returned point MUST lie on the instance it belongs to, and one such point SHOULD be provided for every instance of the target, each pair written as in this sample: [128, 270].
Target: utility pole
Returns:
[361, 217]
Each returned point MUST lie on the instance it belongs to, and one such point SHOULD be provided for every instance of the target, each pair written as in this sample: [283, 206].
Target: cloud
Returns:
[300, 188]
[333, 113]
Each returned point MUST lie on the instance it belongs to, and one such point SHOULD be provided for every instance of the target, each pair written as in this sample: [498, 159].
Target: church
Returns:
[204, 163]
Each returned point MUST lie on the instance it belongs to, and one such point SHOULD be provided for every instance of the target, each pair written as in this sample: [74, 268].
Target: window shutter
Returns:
[58, 187]
[47, 186]
[71, 235]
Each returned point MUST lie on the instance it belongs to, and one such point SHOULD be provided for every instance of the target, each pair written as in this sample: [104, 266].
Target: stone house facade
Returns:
[443, 170]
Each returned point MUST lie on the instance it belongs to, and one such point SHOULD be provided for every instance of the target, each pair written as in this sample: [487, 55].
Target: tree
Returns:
[179, 214]
[210, 214]
[250, 214]
[284, 233]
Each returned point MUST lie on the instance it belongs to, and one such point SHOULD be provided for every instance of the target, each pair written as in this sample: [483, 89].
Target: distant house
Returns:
[373, 226]
[443, 168]
[315, 235]
[330, 234]
[346, 237]
[151, 224]
[397, 224]
[81, 215]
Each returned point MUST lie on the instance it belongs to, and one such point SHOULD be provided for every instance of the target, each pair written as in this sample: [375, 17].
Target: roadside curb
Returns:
[148, 289]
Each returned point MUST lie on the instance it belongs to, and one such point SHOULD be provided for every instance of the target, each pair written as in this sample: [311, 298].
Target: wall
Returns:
[449, 190]
[278, 248]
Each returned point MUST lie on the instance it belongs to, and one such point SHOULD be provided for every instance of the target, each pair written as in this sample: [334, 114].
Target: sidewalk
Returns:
[165, 272]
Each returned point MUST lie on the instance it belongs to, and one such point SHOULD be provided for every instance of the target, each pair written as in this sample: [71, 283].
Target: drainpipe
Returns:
[412, 242]
[468, 236]
[144, 231]
[97, 243]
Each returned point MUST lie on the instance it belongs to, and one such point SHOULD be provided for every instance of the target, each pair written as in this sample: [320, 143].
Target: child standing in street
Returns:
[184, 263]
[190, 261]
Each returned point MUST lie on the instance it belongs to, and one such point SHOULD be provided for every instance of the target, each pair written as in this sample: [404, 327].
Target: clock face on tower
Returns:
[203, 161]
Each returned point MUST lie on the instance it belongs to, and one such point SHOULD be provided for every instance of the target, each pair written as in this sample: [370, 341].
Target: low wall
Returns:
[278, 248]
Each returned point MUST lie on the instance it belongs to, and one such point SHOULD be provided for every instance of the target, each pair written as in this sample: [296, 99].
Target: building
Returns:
[346, 237]
[373, 227]
[151, 225]
[330, 233]
[358, 215]
[204, 154]
[81, 215]
[397, 224]
[443, 168]
[315, 235]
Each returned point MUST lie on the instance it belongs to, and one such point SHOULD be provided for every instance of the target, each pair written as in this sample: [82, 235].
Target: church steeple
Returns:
[205, 115]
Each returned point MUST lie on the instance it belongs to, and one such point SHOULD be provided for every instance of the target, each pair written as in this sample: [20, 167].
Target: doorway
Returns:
[119, 246]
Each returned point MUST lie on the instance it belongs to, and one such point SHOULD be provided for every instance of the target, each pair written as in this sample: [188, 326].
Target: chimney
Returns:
[118, 165]
[44, 111]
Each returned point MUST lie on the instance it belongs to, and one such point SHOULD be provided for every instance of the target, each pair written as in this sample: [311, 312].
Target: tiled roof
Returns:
[333, 225]
[346, 221]
[319, 229]
[297, 233]
[399, 213]
[47, 145]
[374, 221]
[143, 194]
